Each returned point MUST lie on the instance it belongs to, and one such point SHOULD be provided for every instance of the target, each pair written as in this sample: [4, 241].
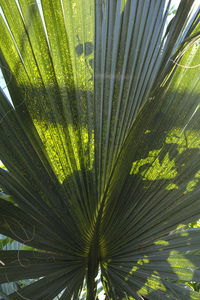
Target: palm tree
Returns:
[100, 147]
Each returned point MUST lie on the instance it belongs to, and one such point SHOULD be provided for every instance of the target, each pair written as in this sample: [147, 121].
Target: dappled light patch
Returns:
[171, 186]
[2, 165]
[184, 139]
[178, 149]
[150, 168]
[153, 282]
[191, 185]
[161, 242]
[178, 263]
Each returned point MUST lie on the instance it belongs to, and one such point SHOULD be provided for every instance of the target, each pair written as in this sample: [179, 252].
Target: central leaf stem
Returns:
[94, 258]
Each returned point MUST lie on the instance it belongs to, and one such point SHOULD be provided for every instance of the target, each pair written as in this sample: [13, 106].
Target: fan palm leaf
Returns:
[100, 147]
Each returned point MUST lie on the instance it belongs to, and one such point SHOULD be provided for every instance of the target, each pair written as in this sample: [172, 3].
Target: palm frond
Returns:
[101, 147]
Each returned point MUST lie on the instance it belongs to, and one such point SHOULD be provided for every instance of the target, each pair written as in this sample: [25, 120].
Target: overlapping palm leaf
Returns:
[101, 147]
